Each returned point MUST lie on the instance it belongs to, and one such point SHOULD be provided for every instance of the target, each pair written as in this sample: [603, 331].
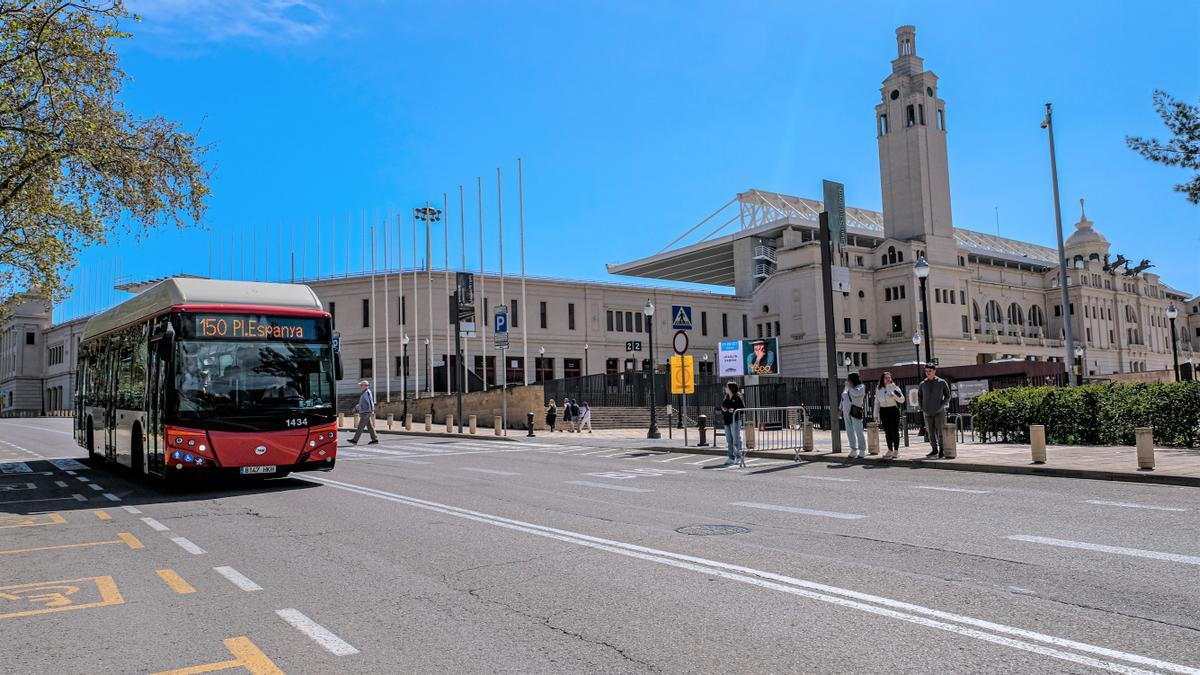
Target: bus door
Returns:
[155, 404]
[112, 364]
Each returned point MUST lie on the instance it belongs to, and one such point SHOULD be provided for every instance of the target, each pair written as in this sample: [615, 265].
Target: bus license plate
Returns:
[257, 469]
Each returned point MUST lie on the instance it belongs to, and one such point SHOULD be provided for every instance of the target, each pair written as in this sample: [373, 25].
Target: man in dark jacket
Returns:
[933, 396]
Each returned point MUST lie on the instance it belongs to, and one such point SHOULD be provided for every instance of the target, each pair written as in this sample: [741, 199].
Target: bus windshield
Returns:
[251, 379]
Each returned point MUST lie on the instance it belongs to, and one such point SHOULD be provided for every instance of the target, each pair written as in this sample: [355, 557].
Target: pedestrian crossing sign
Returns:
[681, 317]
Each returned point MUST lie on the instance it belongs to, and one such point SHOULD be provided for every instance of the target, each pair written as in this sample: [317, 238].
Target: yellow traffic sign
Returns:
[683, 376]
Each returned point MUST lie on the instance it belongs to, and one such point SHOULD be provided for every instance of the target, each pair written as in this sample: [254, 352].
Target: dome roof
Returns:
[1084, 234]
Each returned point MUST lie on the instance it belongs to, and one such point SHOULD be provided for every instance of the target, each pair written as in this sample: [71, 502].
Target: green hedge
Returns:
[1092, 414]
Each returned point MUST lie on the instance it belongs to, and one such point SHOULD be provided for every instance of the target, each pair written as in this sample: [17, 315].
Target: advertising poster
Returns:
[749, 357]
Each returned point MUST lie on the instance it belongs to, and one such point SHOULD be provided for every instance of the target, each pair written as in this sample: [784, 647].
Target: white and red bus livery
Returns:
[199, 376]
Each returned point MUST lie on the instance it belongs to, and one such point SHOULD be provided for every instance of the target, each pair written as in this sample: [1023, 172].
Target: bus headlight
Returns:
[312, 444]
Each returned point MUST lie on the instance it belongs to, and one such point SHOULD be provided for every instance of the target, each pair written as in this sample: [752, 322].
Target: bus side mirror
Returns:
[337, 365]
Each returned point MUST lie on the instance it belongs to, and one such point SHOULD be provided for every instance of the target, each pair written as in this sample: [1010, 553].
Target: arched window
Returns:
[1078, 262]
[1015, 315]
[900, 256]
[1095, 257]
[975, 310]
[883, 259]
[992, 312]
[891, 255]
[1037, 318]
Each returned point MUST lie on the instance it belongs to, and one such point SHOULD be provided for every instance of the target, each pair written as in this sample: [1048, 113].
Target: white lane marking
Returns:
[708, 461]
[79, 497]
[59, 483]
[187, 545]
[33, 426]
[97, 488]
[24, 450]
[594, 452]
[44, 499]
[947, 489]
[804, 512]
[70, 473]
[83, 479]
[491, 471]
[829, 478]
[1132, 505]
[896, 609]
[606, 486]
[131, 509]
[759, 466]
[111, 497]
[671, 459]
[155, 524]
[237, 578]
[318, 633]
[619, 454]
[1104, 548]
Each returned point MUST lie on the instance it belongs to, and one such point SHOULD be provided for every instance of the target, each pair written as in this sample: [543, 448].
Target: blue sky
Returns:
[637, 119]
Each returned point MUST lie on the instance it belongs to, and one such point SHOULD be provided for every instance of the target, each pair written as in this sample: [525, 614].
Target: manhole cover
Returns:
[711, 530]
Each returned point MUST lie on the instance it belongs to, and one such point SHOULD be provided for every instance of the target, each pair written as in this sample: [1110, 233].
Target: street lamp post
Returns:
[917, 348]
[1079, 363]
[428, 365]
[585, 359]
[1048, 125]
[541, 364]
[653, 431]
[1172, 313]
[404, 373]
[921, 268]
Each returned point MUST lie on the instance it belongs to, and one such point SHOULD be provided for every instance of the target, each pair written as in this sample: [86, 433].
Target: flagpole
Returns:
[462, 248]
[483, 317]
[446, 281]
[375, 362]
[524, 305]
[503, 358]
[401, 308]
[387, 346]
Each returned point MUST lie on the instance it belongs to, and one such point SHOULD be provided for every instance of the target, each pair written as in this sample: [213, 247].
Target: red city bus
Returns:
[200, 376]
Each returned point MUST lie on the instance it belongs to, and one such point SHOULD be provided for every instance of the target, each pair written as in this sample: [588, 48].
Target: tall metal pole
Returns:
[830, 339]
[925, 325]
[387, 343]
[503, 351]
[371, 319]
[483, 317]
[653, 431]
[400, 307]
[446, 281]
[1175, 348]
[416, 311]
[1069, 347]
[465, 352]
[429, 298]
[524, 304]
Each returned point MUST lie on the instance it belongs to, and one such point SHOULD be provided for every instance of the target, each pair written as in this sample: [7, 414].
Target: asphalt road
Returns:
[473, 556]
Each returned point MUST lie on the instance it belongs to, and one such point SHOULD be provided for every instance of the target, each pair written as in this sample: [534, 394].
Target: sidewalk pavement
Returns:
[1175, 466]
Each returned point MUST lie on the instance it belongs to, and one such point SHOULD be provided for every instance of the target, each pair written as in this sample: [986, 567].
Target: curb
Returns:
[434, 434]
[1147, 478]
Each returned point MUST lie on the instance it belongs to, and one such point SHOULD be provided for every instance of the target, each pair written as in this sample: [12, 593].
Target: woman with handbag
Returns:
[888, 399]
[854, 399]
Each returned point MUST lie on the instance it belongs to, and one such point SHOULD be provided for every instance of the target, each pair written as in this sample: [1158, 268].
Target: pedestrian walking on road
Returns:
[852, 411]
[551, 415]
[733, 424]
[585, 419]
[366, 414]
[933, 396]
[888, 399]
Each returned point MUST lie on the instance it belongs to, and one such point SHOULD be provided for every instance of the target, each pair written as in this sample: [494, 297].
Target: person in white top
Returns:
[888, 399]
[585, 419]
[852, 411]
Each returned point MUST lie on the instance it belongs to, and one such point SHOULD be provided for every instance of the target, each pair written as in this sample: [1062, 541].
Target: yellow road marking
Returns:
[176, 582]
[122, 538]
[103, 515]
[57, 596]
[8, 520]
[246, 654]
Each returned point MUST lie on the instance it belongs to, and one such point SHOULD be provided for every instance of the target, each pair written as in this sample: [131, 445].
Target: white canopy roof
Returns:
[191, 291]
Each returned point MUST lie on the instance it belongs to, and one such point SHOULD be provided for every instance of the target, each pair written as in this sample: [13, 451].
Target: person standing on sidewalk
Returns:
[366, 414]
[888, 399]
[733, 425]
[551, 415]
[854, 400]
[933, 396]
[585, 417]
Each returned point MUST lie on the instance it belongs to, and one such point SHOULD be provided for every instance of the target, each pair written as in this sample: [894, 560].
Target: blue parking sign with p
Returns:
[501, 323]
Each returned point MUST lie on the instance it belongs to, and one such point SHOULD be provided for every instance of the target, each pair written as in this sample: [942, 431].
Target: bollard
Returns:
[471, 420]
[872, 438]
[807, 439]
[748, 431]
[408, 422]
[1145, 448]
[950, 441]
[702, 425]
[355, 421]
[341, 420]
[429, 423]
[449, 424]
[1037, 443]
[529, 423]
[499, 425]
[391, 418]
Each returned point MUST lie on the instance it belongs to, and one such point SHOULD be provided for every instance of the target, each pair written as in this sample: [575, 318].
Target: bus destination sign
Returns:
[255, 327]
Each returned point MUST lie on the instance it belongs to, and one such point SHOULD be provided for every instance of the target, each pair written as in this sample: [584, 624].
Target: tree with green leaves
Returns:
[76, 167]
[1183, 121]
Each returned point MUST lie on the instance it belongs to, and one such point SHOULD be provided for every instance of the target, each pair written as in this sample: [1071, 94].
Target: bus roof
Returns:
[177, 291]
